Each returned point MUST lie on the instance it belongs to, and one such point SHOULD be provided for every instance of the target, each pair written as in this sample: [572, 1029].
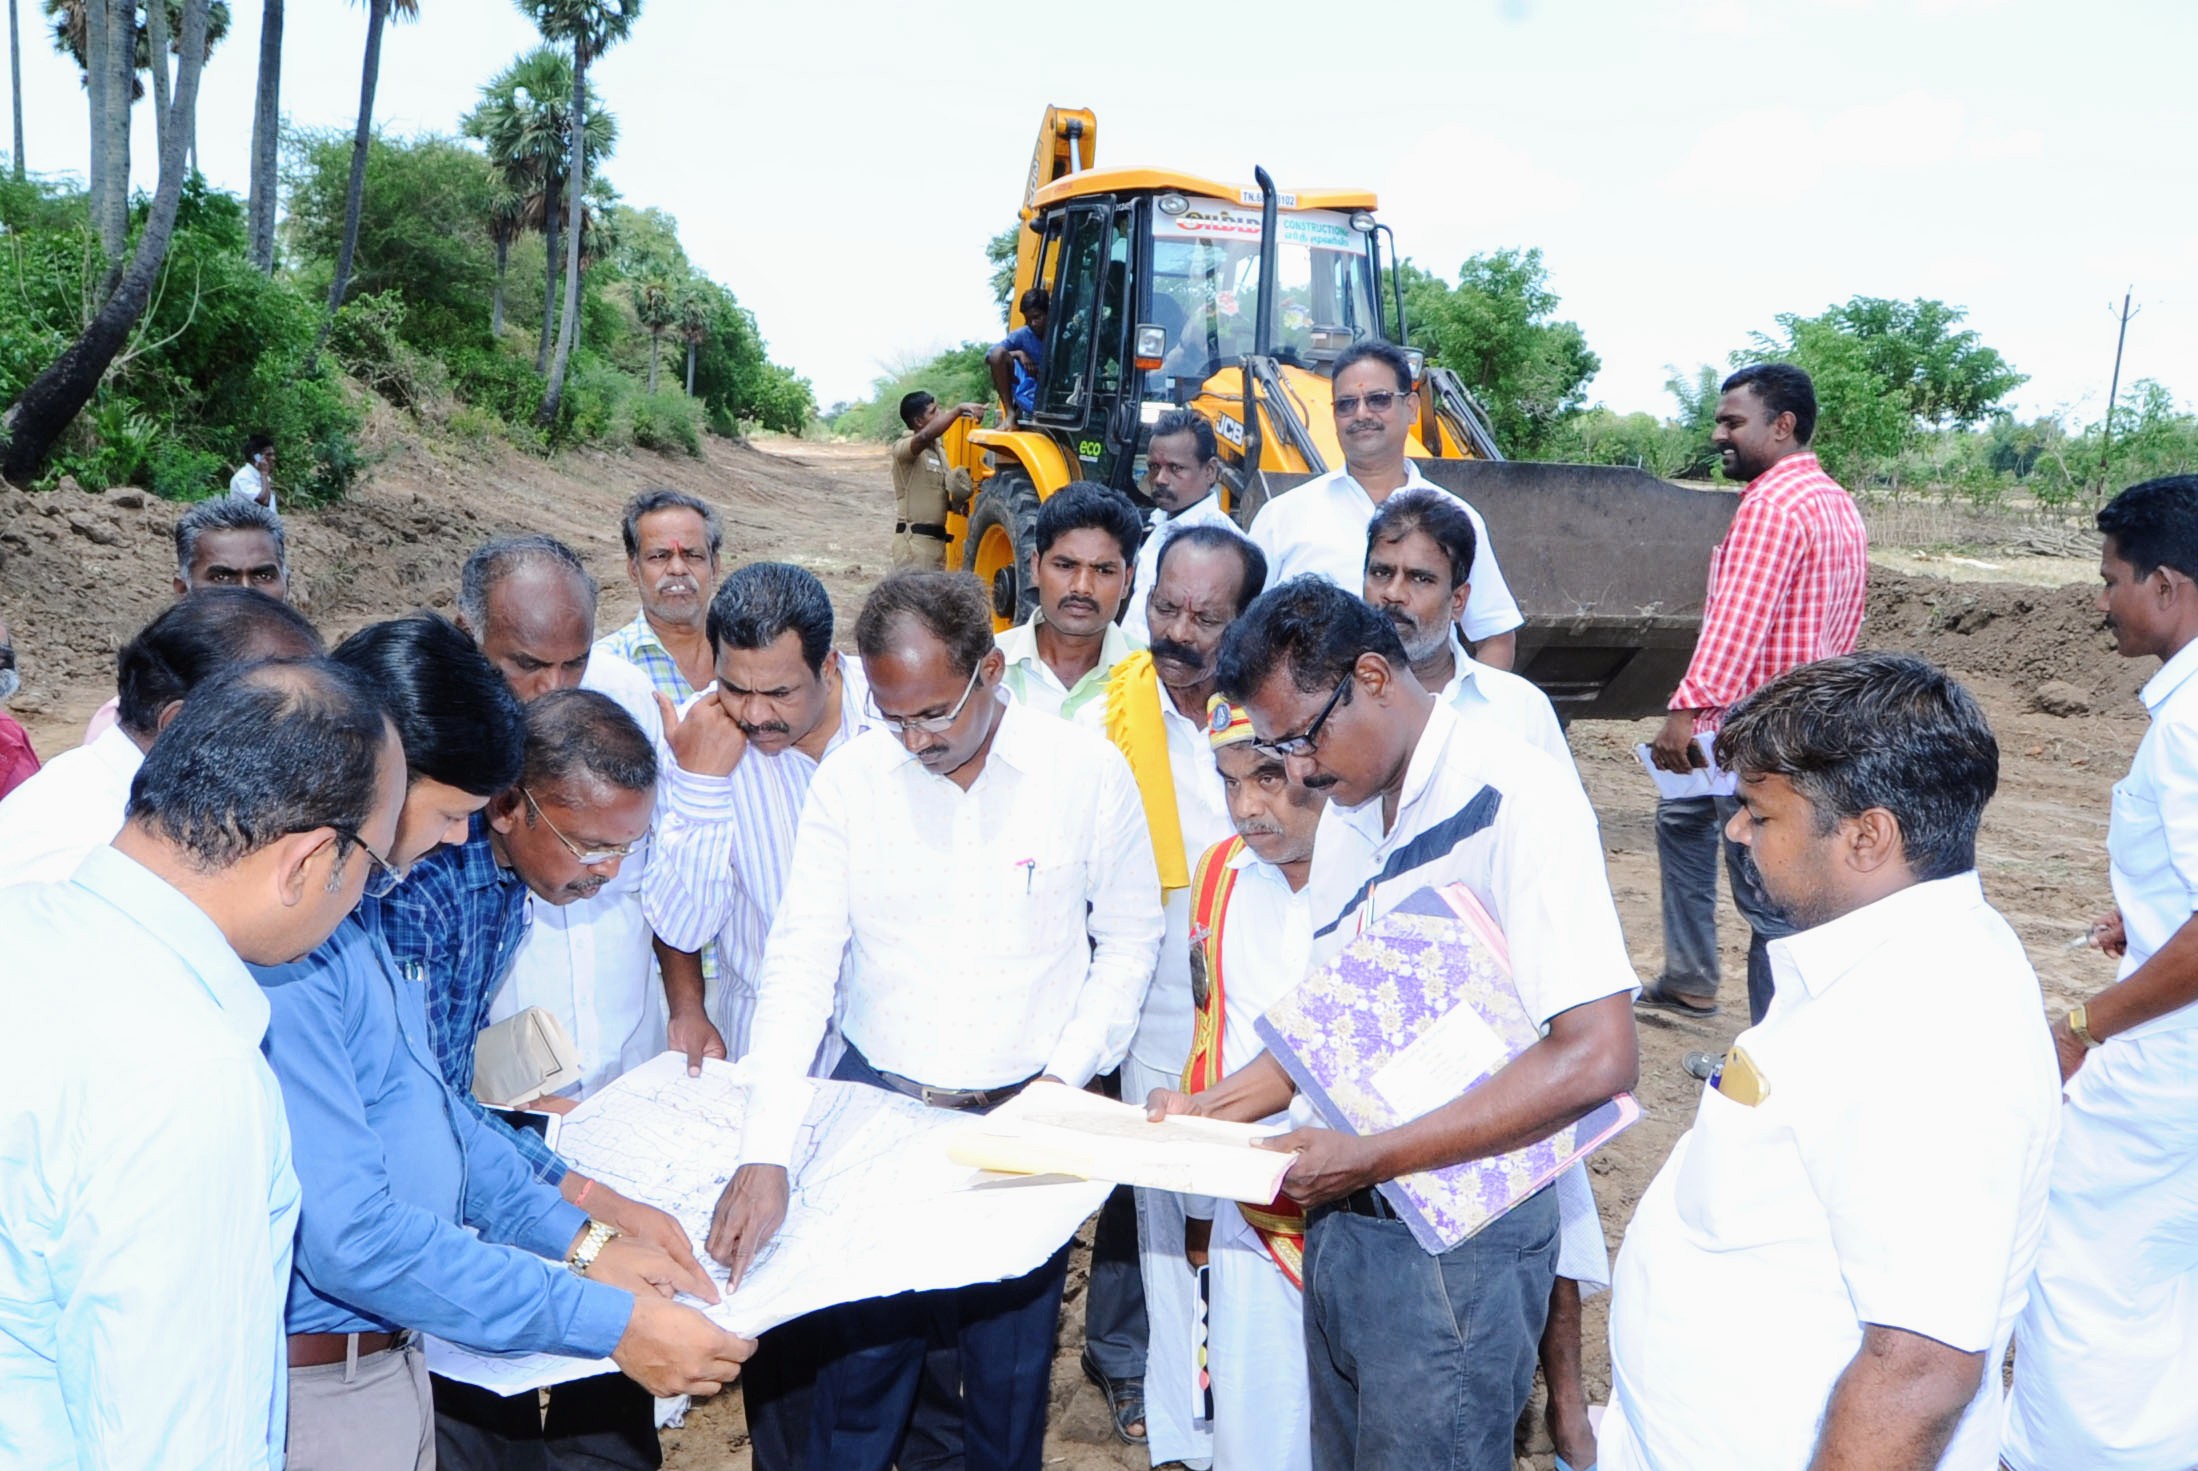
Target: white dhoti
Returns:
[1262, 1415]
[2106, 1350]
[1171, 1305]
[1582, 1254]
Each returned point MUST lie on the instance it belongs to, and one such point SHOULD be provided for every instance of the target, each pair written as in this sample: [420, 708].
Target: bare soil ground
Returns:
[79, 573]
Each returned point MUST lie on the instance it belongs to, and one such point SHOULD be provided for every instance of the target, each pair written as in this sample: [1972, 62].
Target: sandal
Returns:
[1657, 998]
[1125, 1400]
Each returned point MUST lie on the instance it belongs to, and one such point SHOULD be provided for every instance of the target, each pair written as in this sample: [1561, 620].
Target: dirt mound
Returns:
[2023, 636]
[81, 572]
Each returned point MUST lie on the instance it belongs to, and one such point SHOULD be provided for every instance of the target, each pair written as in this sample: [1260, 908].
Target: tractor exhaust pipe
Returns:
[1263, 327]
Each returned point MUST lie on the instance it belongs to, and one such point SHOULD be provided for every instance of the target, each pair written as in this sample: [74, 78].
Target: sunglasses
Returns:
[1380, 401]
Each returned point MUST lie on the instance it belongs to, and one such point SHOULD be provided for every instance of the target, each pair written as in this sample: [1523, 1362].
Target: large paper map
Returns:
[877, 1207]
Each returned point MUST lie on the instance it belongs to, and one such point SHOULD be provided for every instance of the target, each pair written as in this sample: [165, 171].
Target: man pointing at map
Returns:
[986, 875]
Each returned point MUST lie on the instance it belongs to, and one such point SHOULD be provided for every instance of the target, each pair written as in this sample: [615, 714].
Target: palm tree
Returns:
[377, 12]
[266, 137]
[591, 27]
[15, 84]
[524, 120]
[101, 37]
[656, 305]
[45, 409]
[507, 221]
[156, 45]
[694, 326]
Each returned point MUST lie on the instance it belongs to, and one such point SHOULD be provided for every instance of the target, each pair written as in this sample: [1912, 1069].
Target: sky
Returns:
[1690, 169]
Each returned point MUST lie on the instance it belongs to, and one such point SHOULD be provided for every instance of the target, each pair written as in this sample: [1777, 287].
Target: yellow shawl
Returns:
[1135, 725]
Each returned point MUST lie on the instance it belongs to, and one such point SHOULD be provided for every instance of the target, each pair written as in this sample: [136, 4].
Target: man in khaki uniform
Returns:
[923, 484]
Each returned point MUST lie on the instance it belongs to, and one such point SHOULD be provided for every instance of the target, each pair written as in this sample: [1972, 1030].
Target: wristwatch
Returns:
[592, 1241]
[2079, 1022]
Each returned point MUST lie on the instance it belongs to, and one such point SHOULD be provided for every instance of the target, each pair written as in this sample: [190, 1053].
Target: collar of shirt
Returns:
[637, 643]
[1019, 646]
[1819, 957]
[1461, 677]
[1018, 742]
[1344, 485]
[163, 910]
[1428, 758]
[2170, 677]
[1799, 466]
[114, 750]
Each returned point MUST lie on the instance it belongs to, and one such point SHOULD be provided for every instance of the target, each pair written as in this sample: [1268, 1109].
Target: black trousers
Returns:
[607, 1423]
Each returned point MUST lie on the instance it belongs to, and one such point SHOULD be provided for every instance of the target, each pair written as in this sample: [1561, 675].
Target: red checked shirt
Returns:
[1786, 588]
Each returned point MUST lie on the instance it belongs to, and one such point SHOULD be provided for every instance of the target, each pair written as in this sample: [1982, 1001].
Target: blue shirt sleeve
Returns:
[389, 1259]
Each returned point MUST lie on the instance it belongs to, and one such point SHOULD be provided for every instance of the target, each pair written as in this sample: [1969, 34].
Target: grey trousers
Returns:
[1689, 834]
[374, 1414]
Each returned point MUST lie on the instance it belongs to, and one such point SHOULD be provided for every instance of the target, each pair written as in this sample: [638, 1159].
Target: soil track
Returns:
[79, 573]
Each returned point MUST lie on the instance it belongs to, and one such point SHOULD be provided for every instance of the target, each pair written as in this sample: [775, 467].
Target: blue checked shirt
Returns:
[455, 924]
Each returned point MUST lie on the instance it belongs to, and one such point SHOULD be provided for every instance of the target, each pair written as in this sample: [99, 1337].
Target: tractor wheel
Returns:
[1003, 531]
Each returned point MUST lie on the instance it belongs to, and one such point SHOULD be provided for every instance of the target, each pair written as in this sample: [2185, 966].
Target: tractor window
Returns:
[1114, 304]
[1076, 305]
[1206, 287]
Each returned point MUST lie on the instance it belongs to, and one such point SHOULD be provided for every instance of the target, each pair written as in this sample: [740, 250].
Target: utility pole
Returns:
[2114, 390]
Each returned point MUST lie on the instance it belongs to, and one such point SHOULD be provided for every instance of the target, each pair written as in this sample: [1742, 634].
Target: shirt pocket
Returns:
[1038, 906]
[1742, 1182]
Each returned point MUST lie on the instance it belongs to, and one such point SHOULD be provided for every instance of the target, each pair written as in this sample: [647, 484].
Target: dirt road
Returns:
[79, 573]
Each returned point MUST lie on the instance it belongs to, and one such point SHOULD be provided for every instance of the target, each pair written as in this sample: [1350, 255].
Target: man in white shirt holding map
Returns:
[1417, 1359]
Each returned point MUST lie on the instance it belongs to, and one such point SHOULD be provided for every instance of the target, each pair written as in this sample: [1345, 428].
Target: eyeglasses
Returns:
[1380, 401]
[1306, 744]
[585, 857]
[928, 724]
[381, 879]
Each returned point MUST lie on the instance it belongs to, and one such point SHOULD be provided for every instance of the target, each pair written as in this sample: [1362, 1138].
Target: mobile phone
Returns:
[531, 1120]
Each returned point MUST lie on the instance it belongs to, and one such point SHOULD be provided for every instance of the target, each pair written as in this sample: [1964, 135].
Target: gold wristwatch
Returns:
[2079, 1022]
[592, 1241]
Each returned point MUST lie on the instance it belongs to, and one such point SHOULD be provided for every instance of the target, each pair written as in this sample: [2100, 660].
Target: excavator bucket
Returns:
[1610, 566]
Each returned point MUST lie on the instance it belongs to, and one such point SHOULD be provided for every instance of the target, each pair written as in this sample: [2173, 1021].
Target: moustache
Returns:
[586, 890]
[677, 584]
[772, 727]
[1248, 833]
[1085, 604]
[1319, 783]
[1169, 649]
[1362, 426]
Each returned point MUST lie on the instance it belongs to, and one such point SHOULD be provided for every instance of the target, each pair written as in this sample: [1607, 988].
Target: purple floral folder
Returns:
[1416, 1011]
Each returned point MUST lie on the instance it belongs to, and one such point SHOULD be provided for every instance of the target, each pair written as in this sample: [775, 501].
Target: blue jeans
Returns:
[1417, 1361]
[864, 1410]
[1689, 834]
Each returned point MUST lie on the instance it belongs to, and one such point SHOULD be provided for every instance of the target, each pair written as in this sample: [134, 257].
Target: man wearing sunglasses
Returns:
[1321, 525]
[1442, 1348]
[414, 1217]
[974, 883]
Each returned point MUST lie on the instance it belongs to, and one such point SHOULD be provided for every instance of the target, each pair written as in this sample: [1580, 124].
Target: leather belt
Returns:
[1368, 1202]
[962, 1099]
[312, 1350]
[923, 528]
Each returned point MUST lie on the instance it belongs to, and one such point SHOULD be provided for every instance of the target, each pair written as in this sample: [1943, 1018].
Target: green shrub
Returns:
[957, 375]
[593, 410]
[180, 472]
[497, 383]
[666, 420]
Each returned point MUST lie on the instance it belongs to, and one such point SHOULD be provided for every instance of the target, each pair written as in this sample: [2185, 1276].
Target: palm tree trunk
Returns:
[496, 310]
[690, 367]
[157, 51]
[121, 82]
[656, 351]
[266, 137]
[45, 408]
[553, 204]
[377, 11]
[576, 185]
[15, 83]
[98, 76]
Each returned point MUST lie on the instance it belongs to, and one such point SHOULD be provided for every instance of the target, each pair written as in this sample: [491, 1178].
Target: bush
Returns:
[497, 383]
[368, 339]
[957, 375]
[666, 420]
[182, 473]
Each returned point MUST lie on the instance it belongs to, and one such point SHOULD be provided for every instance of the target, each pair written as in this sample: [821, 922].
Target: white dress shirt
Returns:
[1030, 681]
[591, 962]
[724, 845]
[1206, 512]
[1163, 1038]
[147, 1202]
[971, 960]
[2152, 836]
[1481, 807]
[1482, 692]
[1909, 1198]
[1321, 527]
[68, 807]
[248, 484]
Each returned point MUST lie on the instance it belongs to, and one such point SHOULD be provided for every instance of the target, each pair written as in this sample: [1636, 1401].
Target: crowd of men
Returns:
[301, 883]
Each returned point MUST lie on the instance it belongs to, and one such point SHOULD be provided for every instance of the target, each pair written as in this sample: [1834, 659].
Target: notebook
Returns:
[1416, 1011]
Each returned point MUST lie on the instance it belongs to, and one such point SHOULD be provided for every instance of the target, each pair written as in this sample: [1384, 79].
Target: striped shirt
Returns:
[1786, 588]
[724, 844]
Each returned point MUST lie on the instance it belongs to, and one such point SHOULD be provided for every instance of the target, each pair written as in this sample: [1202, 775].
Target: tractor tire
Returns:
[1003, 533]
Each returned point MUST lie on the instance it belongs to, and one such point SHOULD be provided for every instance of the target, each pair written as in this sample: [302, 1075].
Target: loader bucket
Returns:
[1609, 564]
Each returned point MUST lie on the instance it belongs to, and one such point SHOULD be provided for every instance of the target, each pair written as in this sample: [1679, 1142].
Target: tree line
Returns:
[149, 335]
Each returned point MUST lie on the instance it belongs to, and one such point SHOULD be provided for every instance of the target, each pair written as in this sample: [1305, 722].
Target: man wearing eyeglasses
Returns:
[414, 1217]
[1321, 525]
[975, 882]
[1418, 1360]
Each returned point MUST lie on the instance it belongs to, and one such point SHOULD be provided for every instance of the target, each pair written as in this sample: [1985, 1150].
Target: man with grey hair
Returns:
[230, 541]
[672, 544]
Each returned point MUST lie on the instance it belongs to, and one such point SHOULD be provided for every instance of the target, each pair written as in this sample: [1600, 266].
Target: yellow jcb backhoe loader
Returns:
[1170, 289]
